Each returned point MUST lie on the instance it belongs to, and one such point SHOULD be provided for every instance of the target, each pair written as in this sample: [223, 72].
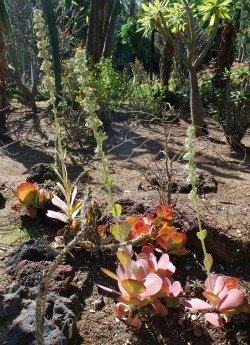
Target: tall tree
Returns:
[5, 29]
[186, 20]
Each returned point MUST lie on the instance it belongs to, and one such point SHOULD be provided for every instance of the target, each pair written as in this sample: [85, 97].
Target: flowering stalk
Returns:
[49, 83]
[194, 197]
[90, 105]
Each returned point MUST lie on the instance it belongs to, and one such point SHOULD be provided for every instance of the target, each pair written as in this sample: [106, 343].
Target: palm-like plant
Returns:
[5, 29]
[180, 19]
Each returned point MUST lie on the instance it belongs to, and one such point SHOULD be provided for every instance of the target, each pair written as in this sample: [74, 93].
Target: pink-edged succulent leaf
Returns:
[153, 284]
[58, 215]
[108, 289]
[233, 300]
[214, 318]
[165, 267]
[176, 289]
[196, 304]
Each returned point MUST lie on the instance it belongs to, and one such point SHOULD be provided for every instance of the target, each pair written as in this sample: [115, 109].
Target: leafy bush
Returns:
[147, 98]
[111, 86]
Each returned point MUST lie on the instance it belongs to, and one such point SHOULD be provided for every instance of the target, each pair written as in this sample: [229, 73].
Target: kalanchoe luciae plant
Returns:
[31, 196]
[143, 281]
[222, 294]
[157, 229]
[223, 297]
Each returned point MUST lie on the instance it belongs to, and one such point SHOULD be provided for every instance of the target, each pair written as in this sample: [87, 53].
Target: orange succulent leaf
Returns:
[166, 229]
[211, 297]
[164, 211]
[26, 192]
[132, 220]
[133, 286]
[139, 228]
[232, 283]
[173, 243]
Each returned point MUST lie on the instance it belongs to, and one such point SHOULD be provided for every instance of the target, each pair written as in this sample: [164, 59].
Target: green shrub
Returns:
[147, 99]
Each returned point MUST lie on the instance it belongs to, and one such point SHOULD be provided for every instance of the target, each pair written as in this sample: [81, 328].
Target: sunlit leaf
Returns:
[133, 287]
[120, 231]
[208, 261]
[116, 210]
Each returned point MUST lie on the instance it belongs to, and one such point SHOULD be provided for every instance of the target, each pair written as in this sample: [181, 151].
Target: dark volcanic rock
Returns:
[29, 273]
[206, 182]
[33, 250]
[41, 172]
[61, 314]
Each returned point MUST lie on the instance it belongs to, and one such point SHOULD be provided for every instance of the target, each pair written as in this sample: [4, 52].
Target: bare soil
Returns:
[135, 149]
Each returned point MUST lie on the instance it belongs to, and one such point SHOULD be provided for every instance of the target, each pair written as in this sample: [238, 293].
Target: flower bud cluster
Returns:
[43, 47]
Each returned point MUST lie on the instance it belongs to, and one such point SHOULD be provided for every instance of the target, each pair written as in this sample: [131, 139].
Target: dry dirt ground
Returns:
[136, 152]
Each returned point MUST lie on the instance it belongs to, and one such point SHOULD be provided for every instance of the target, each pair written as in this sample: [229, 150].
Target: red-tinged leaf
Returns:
[164, 211]
[232, 283]
[166, 287]
[196, 304]
[139, 229]
[159, 308]
[233, 300]
[214, 319]
[123, 257]
[153, 284]
[32, 212]
[131, 220]
[161, 240]
[174, 242]
[133, 287]
[211, 297]
[109, 273]
[166, 229]
[108, 289]
[147, 250]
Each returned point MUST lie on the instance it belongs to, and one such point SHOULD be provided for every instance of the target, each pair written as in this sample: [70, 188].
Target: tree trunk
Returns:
[110, 30]
[132, 8]
[225, 57]
[166, 63]
[94, 31]
[3, 76]
[196, 107]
